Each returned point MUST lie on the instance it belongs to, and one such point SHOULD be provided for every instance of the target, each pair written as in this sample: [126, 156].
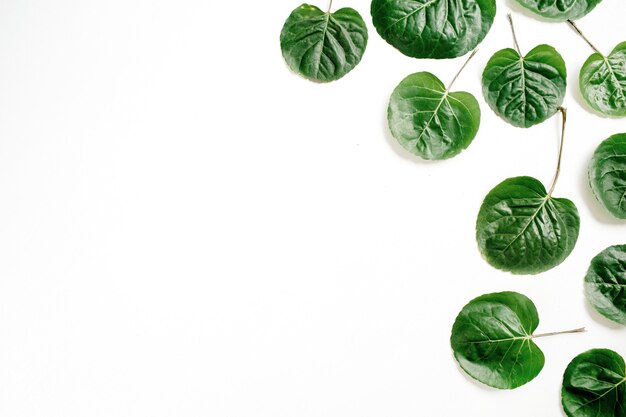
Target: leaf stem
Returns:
[461, 70]
[514, 36]
[330, 5]
[579, 330]
[563, 111]
[582, 35]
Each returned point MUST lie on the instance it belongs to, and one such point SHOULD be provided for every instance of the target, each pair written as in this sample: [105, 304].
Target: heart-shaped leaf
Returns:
[607, 174]
[525, 90]
[522, 229]
[433, 28]
[605, 283]
[430, 121]
[594, 385]
[603, 82]
[493, 342]
[323, 46]
[560, 10]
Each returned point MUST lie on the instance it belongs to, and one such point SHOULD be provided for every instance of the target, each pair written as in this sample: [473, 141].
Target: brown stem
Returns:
[330, 5]
[514, 36]
[582, 35]
[461, 70]
[563, 111]
[579, 330]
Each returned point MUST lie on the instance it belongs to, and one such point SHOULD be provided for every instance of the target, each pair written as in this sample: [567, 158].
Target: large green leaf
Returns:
[524, 230]
[594, 385]
[607, 174]
[430, 121]
[560, 10]
[492, 340]
[525, 91]
[433, 28]
[323, 46]
[605, 283]
[603, 82]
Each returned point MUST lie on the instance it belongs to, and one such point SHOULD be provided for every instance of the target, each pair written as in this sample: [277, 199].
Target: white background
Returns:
[189, 229]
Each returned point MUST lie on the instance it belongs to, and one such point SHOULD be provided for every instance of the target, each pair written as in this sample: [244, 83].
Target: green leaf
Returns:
[560, 10]
[428, 120]
[607, 174]
[523, 229]
[603, 82]
[433, 28]
[492, 340]
[525, 91]
[605, 283]
[323, 46]
[594, 385]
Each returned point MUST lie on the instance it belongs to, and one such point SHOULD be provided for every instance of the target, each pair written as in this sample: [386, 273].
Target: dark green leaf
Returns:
[605, 283]
[522, 229]
[323, 46]
[430, 121]
[560, 10]
[594, 385]
[433, 28]
[603, 82]
[492, 340]
[607, 174]
[525, 91]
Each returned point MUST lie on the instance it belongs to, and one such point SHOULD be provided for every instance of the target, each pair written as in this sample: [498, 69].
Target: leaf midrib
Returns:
[405, 17]
[532, 219]
[601, 396]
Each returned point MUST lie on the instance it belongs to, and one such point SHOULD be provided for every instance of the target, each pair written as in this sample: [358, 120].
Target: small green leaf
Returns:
[492, 339]
[560, 10]
[323, 46]
[603, 82]
[607, 174]
[524, 230]
[433, 28]
[525, 91]
[430, 121]
[605, 283]
[594, 385]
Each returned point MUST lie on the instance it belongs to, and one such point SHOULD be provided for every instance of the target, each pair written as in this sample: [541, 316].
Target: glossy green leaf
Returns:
[607, 174]
[605, 283]
[603, 82]
[433, 28]
[428, 120]
[524, 230]
[525, 91]
[323, 46]
[560, 10]
[594, 385]
[492, 340]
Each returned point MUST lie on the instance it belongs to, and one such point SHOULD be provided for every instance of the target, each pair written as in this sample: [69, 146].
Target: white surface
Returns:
[189, 229]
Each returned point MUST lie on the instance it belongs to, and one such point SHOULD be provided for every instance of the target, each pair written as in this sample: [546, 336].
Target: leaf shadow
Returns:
[599, 318]
[598, 212]
[517, 8]
[397, 148]
[468, 378]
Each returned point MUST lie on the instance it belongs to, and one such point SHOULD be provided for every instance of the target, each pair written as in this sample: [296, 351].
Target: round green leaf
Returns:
[523, 230]
[605, 283]
[525, 91]
[433, 28]
[603, 82]
[492, 340]
[594, 385]
[323, 46]
[560, 10]
[607, 174]
[429, 121]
